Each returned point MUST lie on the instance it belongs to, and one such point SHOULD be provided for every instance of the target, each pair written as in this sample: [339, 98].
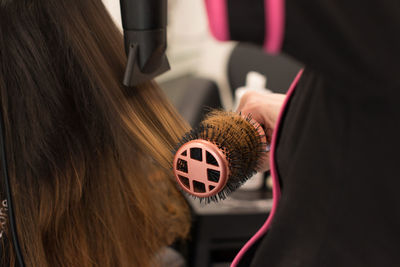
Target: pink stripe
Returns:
[276, 191]
[218, 19]
[274, 25]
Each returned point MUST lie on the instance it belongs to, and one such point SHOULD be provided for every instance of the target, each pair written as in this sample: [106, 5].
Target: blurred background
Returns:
[205, 74]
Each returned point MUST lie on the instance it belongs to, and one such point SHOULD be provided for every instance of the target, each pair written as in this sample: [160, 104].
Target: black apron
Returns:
[338, 146]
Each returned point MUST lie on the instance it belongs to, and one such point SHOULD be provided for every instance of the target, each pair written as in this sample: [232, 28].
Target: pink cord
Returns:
[276, 191]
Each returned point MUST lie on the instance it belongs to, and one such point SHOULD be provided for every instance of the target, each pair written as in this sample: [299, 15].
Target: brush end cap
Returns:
[201, 168]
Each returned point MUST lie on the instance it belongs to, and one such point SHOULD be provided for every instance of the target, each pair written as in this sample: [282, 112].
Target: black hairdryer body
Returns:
[144, 23]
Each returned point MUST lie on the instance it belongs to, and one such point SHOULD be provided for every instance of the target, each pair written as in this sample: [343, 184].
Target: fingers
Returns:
[263, 108]
[252, 104]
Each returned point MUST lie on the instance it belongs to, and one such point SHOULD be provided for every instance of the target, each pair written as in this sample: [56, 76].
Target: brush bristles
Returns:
[240, 141]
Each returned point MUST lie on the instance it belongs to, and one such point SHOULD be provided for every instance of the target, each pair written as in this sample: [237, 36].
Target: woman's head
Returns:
[88, 158]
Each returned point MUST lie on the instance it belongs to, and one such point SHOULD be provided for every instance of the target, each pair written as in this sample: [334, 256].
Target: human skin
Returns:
[264, 108]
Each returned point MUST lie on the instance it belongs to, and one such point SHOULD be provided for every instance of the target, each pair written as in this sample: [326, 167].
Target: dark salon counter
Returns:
[221, 229]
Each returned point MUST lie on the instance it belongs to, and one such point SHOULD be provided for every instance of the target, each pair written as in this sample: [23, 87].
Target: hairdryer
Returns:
[144, 23]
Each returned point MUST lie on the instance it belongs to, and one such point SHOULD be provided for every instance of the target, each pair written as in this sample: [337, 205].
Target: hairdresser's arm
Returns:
[264, 108]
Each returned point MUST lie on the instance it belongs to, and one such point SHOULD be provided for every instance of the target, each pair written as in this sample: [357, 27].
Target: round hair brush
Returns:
[220, 155]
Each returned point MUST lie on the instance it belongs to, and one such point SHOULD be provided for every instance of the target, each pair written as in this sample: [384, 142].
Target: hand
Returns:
[264, 108]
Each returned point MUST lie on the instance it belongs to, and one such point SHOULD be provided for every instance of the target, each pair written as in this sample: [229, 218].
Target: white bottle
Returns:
[254, 82]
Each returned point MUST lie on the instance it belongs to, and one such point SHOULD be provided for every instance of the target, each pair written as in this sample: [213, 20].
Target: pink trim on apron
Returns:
[218, 19]
[274, 25]
[276, 191]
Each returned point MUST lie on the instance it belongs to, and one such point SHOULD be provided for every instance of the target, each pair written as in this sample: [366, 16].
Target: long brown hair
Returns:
[89, 159]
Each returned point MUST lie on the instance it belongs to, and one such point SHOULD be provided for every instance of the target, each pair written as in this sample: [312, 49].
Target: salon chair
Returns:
[221, 229]
[280, 70]
[193, 97]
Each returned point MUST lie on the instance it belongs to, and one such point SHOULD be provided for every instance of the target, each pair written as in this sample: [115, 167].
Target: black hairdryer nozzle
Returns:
[145, 34]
